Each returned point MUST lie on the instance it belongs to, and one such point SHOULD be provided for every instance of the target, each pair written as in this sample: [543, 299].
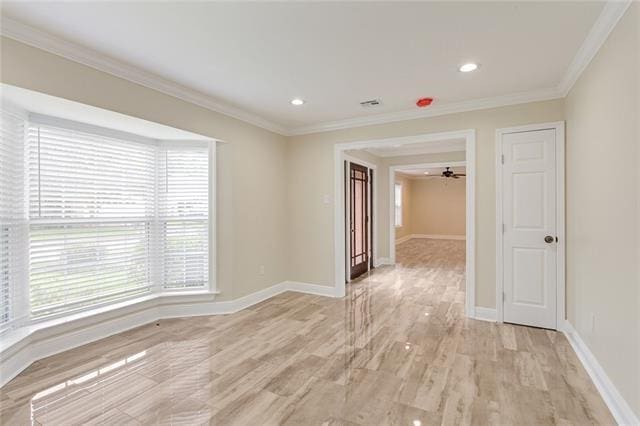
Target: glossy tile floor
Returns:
[396, 350]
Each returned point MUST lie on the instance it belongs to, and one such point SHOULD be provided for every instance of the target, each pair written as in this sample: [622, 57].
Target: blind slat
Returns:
[12, 211]
[183, 194]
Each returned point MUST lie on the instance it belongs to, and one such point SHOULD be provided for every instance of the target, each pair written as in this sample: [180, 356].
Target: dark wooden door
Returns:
[359, 219]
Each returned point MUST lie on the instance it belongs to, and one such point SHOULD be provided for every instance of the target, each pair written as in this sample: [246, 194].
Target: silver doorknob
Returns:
[548, 239]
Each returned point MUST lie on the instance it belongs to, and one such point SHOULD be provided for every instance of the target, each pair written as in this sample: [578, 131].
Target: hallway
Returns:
[396, 350]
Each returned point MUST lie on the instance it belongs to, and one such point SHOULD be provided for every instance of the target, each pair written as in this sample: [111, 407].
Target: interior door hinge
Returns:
[502, 158]
[503, 228]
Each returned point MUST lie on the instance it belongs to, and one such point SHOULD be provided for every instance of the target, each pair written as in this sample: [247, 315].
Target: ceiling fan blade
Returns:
[460, 174]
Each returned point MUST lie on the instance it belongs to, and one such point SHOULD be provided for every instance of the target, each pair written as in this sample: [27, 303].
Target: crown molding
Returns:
[77, 53]
[434, 111]
[611, 14]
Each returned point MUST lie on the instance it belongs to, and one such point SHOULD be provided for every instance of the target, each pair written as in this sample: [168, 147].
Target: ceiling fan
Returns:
[450, 174]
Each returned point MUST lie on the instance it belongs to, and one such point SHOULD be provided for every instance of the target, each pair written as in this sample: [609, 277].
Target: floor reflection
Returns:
[396, 350]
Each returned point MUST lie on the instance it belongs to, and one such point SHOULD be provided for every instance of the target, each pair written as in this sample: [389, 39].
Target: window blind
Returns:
[89, 216]
[12, 127]
[91, 210]
[183, 216]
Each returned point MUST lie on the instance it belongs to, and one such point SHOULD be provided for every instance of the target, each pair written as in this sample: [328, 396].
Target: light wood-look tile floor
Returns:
[396, 350]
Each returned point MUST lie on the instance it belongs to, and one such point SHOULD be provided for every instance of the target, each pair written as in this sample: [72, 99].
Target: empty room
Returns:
[434, 225]
[320, 213]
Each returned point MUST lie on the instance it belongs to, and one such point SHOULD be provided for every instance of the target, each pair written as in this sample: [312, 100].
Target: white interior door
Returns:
[529, 237]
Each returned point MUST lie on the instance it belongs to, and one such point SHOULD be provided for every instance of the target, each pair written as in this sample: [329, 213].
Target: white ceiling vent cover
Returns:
[371, 103]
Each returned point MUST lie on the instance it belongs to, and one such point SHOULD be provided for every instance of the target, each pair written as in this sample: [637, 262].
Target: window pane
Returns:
[184, 213]
[91, 206]
[186, 253]
[75, 265]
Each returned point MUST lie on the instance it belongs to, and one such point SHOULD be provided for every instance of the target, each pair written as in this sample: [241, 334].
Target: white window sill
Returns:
[11, 339]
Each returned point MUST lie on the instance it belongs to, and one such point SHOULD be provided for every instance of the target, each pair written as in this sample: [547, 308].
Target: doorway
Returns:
[415, 170]
[360, 201]
[530, 228]
[463, 140]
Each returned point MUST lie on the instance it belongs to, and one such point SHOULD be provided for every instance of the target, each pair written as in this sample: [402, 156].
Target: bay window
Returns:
[104, 215]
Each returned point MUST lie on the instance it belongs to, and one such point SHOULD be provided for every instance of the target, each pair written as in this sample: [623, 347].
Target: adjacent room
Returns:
[320, 213]
[405, 208]
[430, 221]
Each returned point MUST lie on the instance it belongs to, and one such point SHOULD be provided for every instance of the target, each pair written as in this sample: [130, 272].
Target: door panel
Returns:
[528, 267]
[529, 212]
[359, 219]
[528, 187]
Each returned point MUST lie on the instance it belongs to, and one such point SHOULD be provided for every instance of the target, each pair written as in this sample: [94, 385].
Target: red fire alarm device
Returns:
[424, 102]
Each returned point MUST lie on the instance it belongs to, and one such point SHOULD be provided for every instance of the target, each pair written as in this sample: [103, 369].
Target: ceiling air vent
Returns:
[370, 103]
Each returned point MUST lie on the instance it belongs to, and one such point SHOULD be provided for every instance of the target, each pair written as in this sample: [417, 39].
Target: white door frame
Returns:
[560, 217]
[392, 195]
[339, 223]
[374, 237]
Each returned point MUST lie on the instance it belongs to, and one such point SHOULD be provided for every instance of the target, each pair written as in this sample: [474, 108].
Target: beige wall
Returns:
[251, 167]
[438, 206]
[311, 173]
[405, 229]
[603, 214]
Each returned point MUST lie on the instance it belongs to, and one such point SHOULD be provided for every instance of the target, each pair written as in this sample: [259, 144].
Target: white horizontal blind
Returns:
[5, 276]
[183, 217]
[91, 208]
[75, 175]
[12, 214]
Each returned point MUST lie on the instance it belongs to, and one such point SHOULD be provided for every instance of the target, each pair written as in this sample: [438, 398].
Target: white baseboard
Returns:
[430, 237]
[177, 310]
[43, 342]
[485, 314]
[403, 239]
[439, 237]
[318, 290]
[620, 409]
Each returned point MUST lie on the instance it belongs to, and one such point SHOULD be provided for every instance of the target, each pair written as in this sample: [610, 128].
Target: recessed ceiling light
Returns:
[297, 102]
[468, 67]
[426, 173]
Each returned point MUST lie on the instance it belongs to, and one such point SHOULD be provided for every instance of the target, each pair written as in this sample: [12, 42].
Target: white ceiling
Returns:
[433, 171]
[255, 57]
[34, 102]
